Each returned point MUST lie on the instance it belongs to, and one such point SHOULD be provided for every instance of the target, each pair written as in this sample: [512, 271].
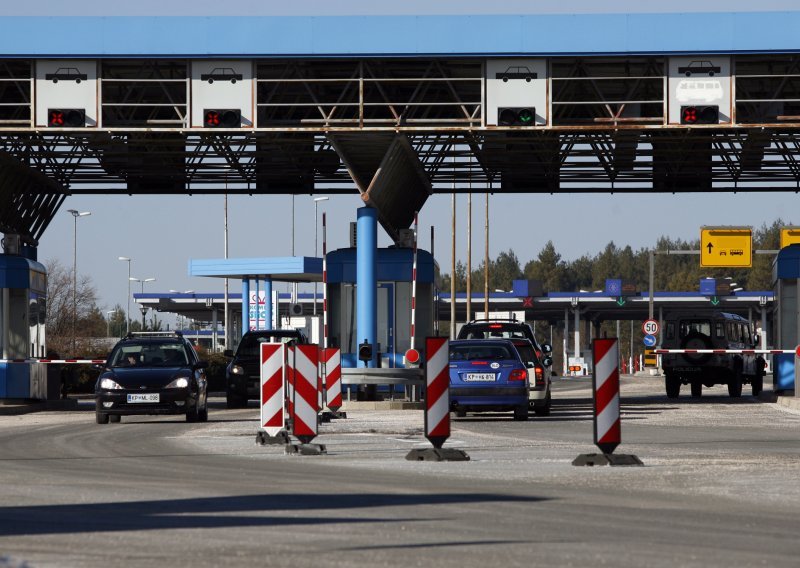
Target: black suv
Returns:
[152, 373]
[243, 375]
[504, 329]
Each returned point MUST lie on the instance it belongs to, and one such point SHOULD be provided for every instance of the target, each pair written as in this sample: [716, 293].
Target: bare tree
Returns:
[59, 311]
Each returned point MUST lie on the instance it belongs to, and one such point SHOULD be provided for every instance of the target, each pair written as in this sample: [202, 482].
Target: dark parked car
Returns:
[243, 375]
[488, 375]
[502, 329]
[152, 373]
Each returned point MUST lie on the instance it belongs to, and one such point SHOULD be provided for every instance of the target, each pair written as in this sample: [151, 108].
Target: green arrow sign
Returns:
[714, 301]
[620, 301]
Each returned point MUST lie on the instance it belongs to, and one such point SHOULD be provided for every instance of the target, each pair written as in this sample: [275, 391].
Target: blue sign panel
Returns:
[649, 340]
[708, 286]
[613, 287]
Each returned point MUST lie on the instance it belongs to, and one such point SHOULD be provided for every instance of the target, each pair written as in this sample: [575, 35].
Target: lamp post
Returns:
[142, 280]
[316, 202]
[128, 313]
[75, 214]
[108, 322]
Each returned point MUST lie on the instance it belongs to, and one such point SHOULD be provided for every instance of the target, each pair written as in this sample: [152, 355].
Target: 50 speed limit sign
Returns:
[650, 327]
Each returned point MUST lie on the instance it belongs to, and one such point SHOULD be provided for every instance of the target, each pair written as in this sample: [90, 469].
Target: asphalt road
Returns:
[719, 488]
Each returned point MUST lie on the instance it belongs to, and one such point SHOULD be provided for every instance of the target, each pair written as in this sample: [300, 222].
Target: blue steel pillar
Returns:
[267, 302]
[366, 279]
[245, 305]
[257, 295]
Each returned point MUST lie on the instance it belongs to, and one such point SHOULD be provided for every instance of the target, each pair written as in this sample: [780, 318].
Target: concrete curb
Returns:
[24, 406]
[785, 399]
[382, 405]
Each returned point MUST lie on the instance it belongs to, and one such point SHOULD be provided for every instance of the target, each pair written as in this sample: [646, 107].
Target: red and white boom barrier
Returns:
[723, 351]
[59, 361]
[437, 403]
[607, 425]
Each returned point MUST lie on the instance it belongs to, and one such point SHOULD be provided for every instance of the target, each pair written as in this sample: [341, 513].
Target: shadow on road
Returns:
[221, 512]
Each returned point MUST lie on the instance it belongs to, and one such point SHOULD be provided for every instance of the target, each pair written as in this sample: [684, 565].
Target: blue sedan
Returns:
[488, 376]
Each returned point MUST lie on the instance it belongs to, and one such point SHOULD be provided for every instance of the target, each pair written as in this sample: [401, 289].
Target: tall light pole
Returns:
[128, 313]
[75, 214]
[108, 322]
[316, 202]
[142, 280]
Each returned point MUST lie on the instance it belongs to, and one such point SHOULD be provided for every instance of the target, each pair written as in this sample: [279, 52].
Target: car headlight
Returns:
[237, 370]
[179, 383]
[108, 384]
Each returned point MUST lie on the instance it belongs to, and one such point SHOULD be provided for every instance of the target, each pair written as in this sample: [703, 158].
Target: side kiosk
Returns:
[23, 303]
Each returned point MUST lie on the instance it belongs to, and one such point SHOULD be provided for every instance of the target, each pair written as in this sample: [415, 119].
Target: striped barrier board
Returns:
[59, 361]
[437, 392]
[331, 362]
[272, 388]
[289, 382]
[607, 430]
[305, 383]
[724, 351]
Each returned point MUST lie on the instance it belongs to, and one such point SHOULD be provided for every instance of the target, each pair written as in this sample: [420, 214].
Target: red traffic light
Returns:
[66, 117]
[222, 118]
[699, 114]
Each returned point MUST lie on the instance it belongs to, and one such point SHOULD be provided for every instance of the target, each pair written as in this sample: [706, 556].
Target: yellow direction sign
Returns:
[726, 247]
[790, 236]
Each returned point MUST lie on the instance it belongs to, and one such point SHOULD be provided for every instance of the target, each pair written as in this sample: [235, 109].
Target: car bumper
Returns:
[244, 385]
[539, 394]
[495, 397]
[172, 401]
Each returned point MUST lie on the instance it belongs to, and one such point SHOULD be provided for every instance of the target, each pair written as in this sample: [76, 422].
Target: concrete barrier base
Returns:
[437, 454]
[606, 459]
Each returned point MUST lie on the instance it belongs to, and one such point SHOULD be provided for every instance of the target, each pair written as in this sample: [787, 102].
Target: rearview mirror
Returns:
[548, 361]
[547, 348]
[228, 353]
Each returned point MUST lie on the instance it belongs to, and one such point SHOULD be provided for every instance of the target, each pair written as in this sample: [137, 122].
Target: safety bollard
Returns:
[607, 426]
[305, 381]
[437, 404]
[272, 395]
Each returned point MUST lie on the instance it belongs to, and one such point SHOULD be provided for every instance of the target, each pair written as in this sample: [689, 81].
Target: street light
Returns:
[128, 313]
[75, 214]
[316, 202]
[142, 280]
[108, 322]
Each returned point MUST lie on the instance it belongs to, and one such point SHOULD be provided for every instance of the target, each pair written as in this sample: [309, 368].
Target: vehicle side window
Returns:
[720, 330]
[670, 330]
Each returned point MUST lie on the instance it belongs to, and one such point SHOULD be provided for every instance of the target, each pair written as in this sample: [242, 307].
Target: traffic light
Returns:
[66, 117]
[365, 351]
[700, 114]
[516, 116]
[222, 118]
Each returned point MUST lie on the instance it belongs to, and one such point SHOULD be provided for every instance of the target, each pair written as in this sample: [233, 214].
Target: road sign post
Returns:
[607, 427]
[437, 404]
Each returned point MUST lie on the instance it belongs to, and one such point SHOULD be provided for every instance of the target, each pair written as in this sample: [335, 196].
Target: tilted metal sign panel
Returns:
[66, 84]
[516, 83]
[700, 80]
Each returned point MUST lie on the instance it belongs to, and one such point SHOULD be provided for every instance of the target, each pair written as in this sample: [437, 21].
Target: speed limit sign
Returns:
[650, 327]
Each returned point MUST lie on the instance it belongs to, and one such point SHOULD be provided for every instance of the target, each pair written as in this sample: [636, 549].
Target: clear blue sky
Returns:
[161, 234]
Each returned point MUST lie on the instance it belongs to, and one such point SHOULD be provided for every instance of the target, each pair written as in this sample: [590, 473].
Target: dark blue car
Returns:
[152, 373]
[488, 375]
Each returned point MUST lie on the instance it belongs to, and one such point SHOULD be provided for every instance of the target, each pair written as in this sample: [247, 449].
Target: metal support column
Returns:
[245, 305]
[565, 341]
[652, 284]
[366, 279]
[577, 332]
[763, 327]
[214, 330]
[257, 295]
[268, 302]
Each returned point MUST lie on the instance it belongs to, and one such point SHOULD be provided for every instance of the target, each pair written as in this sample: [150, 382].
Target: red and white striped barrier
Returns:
[437, 392]
[724, 351]
[331, 363]
[414, 283]
[272, 388]
[305, 388]
[607, 431]
[59, 361]
[324, 284]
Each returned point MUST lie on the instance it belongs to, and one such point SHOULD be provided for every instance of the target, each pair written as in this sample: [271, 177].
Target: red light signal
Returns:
[222, 118]
[699, 115]
[66, 117]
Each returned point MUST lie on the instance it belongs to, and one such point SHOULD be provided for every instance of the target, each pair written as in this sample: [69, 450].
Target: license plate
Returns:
[688, 369]
[144, 397]
[479, 377]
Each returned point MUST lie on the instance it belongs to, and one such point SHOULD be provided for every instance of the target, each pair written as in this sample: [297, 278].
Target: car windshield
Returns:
[249, 347]
[149, 355]
[495, 333]
[479, 352]
[695, 326]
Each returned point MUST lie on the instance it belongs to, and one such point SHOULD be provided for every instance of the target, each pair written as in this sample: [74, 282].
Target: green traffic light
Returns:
[525, 116]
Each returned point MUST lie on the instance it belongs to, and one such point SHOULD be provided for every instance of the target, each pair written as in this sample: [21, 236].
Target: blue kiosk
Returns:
[23, 302]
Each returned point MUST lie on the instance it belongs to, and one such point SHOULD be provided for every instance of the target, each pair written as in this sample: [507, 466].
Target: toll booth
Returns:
[786, 318]
[393, 272]
[23, 307]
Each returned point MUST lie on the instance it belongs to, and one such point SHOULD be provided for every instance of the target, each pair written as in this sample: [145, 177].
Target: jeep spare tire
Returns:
[697, 341]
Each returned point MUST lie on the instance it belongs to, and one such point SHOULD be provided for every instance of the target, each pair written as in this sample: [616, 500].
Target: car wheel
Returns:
[101, 417]
[710, 73]
[233, 81]
[521, 413]
[192, 414]
[114, 418]
[688, 73]
[211, 81]
[697, 389]
[202, 414]
[673, 385]
[233, 400]
[542, 410]
[735, 383]
[461, 413]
